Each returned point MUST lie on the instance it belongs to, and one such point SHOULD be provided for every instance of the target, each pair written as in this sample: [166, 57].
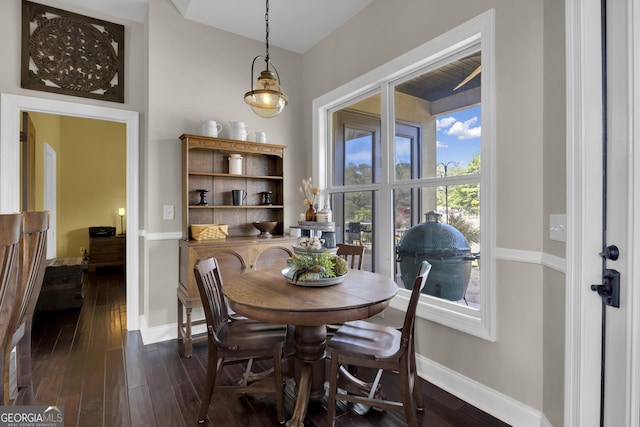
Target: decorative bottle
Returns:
[325, 214]
[327, 210]
[310, 215]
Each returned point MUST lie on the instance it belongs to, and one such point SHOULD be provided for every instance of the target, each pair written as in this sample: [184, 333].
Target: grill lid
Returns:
[433, 238]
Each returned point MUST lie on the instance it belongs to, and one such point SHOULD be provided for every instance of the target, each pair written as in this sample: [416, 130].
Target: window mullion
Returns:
[384, 236]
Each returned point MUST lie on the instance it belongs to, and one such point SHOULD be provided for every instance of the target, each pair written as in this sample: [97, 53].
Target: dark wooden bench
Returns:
[62, 285]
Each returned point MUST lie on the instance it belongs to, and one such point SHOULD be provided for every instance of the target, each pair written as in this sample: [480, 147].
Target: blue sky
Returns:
[457, 136]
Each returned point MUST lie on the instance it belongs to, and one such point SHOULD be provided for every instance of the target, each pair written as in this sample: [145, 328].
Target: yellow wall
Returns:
[49, 125]
[91, 175]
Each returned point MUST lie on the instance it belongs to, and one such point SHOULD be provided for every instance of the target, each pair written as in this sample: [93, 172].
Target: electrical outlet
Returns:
[168, 212]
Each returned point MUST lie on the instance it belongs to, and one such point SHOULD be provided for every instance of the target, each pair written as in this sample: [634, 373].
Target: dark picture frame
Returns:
[71, 54]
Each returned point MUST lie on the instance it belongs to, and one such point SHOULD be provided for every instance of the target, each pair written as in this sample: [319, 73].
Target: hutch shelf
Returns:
[205, 166]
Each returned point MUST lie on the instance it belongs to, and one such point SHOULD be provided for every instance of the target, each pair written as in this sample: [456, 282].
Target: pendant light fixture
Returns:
[266, 99]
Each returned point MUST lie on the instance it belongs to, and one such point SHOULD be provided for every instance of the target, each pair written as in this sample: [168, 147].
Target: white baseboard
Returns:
[496, 404]
[166, 332]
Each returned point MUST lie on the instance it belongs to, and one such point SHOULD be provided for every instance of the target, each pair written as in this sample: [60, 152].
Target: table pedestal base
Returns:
[311, 344]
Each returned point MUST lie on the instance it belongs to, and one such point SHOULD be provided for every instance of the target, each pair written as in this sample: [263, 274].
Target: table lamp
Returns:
[121, 213]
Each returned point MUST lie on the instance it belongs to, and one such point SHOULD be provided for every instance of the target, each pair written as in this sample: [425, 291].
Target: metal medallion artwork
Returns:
[72, 54]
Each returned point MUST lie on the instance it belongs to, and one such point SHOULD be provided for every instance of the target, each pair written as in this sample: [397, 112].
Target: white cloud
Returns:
[463, 130]
[440, 144]
[445, 122]
[403, 151]
[359, 157]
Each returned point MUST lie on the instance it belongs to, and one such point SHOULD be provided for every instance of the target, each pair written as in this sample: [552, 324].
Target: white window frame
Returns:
[477, 31]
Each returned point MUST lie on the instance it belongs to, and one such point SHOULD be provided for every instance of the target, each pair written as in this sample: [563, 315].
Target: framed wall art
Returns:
[71, 54]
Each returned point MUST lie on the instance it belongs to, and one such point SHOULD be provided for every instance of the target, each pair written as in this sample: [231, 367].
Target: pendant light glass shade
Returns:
[266, 98]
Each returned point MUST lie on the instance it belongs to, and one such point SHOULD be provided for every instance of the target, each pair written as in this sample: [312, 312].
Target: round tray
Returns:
[299, 250]
[314, 283]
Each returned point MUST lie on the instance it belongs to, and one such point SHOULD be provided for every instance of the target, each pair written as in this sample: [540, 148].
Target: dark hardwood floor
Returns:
[87, 362]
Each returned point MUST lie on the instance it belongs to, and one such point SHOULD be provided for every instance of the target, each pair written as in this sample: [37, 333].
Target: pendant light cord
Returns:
[266, 41]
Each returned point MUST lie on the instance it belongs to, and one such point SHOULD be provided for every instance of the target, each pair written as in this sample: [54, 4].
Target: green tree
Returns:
[357, 174]
[466, 197]
[358, 204]
[402, 197]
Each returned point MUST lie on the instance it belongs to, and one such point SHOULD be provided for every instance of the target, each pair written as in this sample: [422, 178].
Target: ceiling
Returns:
[441, 82]
[295, 25]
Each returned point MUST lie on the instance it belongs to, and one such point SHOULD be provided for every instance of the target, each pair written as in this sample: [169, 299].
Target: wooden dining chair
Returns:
[10, 226]
[33, 246]
[353, 254]
[236, 341]
[364, 344]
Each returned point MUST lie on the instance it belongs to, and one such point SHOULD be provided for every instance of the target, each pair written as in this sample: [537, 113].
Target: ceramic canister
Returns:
[235, 164]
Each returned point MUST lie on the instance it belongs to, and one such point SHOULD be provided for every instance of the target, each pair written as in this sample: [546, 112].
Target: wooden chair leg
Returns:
[6, 389]
[23, 358]
[278, 383]
[417, 393]
[406, 390]
[212, 370]
[188, 338]
[22, 371]
[5, 369]
[333, 389]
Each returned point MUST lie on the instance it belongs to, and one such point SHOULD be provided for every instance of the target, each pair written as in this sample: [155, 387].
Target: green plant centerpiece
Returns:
[316, 266]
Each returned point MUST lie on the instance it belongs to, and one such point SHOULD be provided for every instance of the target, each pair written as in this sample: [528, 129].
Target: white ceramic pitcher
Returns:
[238, 130]
[261, 136]
[210, 128]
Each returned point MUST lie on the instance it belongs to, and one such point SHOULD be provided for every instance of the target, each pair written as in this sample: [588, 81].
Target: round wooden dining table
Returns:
[266, 295]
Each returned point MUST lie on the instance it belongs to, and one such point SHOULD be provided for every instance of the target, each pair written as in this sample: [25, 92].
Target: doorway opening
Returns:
[11, 108]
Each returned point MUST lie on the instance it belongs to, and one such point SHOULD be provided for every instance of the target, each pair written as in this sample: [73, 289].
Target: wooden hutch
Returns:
[205, 166]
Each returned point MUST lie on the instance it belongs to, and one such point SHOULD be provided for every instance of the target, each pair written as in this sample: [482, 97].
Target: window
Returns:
[415, 136]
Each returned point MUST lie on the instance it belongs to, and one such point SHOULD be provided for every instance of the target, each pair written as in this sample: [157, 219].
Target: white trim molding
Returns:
[496, 404]
[584, 212]
[633, 394]
[10, 108]
[532, 257]
[172, 235]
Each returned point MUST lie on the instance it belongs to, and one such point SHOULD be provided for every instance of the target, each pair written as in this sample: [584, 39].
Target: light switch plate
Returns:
[168, 212]
[558, 227]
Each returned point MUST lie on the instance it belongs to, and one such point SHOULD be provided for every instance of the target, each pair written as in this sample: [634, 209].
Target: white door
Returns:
[584, 351]
[50, 204]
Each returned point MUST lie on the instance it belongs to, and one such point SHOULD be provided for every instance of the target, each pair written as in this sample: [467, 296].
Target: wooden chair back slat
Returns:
[10, 226]
[33, 255]
[353, 254]
[210, 282]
